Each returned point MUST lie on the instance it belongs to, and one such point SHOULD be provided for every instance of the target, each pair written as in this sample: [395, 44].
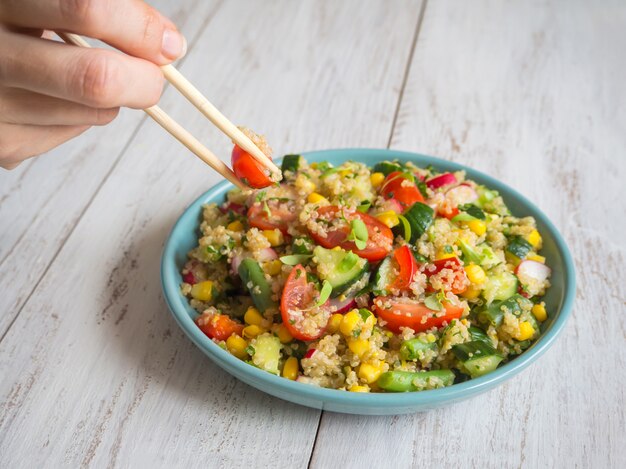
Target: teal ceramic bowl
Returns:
[559, 302]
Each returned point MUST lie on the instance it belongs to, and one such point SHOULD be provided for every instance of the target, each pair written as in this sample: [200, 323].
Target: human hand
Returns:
[51, 92]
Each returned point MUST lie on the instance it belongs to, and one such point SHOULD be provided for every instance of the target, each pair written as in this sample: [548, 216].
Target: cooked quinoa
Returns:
[385, 279]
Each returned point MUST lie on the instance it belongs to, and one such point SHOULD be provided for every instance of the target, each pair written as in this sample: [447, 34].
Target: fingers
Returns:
[128, 25]
[93, 77]
[25, 107]
[18, 142]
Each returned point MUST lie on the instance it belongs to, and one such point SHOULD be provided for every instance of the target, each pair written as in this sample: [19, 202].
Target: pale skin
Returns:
[51, 92]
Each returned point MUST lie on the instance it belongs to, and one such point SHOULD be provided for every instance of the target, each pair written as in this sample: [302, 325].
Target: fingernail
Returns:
[174, 44]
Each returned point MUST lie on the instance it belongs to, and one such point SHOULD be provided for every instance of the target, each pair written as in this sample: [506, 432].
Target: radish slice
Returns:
[234, 264]
[266, 254]
[309, 353]
[189, 278]
[461, 194]
[233, 207]
[342, 306]
[444, 179]
[534, 270]
[393, 205]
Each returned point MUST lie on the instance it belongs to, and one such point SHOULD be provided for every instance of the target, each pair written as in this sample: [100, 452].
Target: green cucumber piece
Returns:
[477, 357]
[384, 277]
[340, 268]
[420, 217]
[494, 313]
[519, 247]
[489, 258]
[414, 349]
[404, 381]
[500, 287]
[266, 352]
[291, 163]
[476, 333]
[387, 167]
[254, 280]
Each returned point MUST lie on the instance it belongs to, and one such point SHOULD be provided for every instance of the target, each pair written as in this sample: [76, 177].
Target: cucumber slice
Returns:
[489, 258]
[519, 247]
[254, 280]
[387, 167]
[477, 357]
[420, 216]
[384, 277]
[266, 352]
[405, 381]
[500, 287]
[477, 334]
[339, 267]
[291, 163]
[493, 314]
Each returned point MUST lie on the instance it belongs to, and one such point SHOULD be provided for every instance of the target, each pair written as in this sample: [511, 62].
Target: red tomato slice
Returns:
[379, 239]
[407, 266]
[448, 212]
[300, 317]
[219, 326]
[456, 282]
[395, 187]
[400, 312]
[281, 214]
[249, 170]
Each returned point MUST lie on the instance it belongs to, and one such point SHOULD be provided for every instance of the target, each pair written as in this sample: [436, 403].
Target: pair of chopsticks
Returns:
[194, 96]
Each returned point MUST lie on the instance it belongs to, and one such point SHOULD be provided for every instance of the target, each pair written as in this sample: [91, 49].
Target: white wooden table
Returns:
[95, 372]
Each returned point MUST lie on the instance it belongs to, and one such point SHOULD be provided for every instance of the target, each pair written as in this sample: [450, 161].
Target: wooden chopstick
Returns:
[176, 130]
[195, 97]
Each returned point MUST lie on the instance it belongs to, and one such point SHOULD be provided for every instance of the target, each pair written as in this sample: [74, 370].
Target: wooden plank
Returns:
[41, 201]
[532, 93]
[94, 354]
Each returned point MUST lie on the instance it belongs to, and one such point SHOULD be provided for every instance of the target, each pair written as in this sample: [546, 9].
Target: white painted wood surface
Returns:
[95, 372]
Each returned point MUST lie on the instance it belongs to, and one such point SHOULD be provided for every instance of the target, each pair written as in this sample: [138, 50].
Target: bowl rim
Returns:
[283, 387]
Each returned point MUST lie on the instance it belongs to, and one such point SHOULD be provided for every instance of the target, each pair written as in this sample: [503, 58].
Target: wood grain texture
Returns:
[533, 94]
[95, 371]
[42, 200]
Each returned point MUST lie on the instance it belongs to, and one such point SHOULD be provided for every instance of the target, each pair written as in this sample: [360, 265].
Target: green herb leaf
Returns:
[364, 207]
[421, 185]
[324, 293]
[358, 233]
[266, 208]
[463, 216]
[472, 210]
[433, 302]
[260, 196]
[250, 350]
[295, 259]
[407, 227]
[364, 313]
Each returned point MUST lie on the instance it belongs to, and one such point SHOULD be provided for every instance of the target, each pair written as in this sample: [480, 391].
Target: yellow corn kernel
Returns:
[253, 317]
[349, 322]
[235, 226]
[540, 313]
[475, 274]
[304, 184]
[250, 332]
[444, 255]
[357, 388]
[315, 198]
[290, 368]
[237, 345]
[203, 291]
[534, 238]
[334, 322]
[313, 165]
[273, 267]
[471, 293]
[359, 346]
[283, 334]
[344, 172]
[512, 258]
[369, 373]
[389, 218]
[377, 179]
[430, 337]
[275, 237]
[526, 331]
[536, 258]
[477, 226]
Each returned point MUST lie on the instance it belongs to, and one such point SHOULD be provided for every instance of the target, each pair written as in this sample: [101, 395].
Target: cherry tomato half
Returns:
[399, 186]
[400, 312]
[407, 267]
[456, 282]
[276, 214]
[302, 319]
[249, 170]
[379, 239]
[219, 326]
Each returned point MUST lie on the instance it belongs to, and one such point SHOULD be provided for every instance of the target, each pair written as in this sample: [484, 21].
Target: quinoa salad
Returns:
[389, 278]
